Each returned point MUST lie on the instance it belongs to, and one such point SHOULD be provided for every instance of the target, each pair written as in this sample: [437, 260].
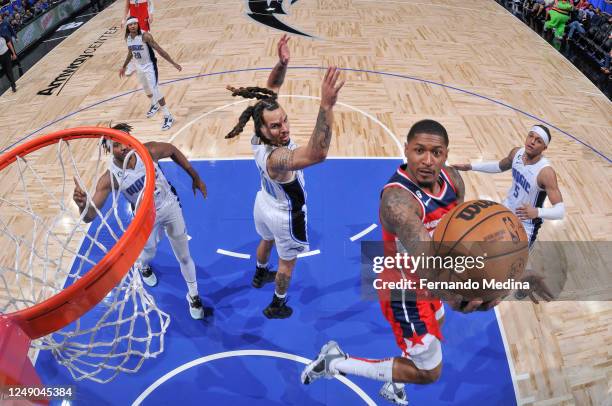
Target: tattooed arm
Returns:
[283, 160]
[277, 76]
[401, 215]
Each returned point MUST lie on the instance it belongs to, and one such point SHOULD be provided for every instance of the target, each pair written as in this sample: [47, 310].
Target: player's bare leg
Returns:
[263, 274]
[278, 309]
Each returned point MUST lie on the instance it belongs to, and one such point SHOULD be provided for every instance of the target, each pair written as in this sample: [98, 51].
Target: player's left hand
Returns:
[283, 50]
[526, 212]
[178, 67]
[122, 72]
[198, 184]
[537, 285]
[150, 19]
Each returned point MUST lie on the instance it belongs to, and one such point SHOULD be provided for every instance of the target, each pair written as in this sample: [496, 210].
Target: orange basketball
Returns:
[493, 237]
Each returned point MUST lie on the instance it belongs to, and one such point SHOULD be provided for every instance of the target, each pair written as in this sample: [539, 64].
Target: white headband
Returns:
[131, 21]
[541, 133]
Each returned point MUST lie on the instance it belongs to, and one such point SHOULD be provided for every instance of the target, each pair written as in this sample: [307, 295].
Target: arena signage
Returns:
[56, 86]
[266, 12]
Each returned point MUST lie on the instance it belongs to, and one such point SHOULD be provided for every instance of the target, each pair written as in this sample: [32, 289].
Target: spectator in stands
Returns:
[38, 8]
[559, 16]
[45, 5]
[7, 53]
[16, 22]
[581, 24]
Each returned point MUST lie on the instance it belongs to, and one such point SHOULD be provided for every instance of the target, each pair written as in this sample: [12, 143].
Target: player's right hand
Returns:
[468, 306]
[462, 167]
[283, 50]
[79, 196]
[122, 72]
[330, 88]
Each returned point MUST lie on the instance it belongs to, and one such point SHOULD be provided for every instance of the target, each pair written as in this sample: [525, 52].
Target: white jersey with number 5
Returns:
[525, 189]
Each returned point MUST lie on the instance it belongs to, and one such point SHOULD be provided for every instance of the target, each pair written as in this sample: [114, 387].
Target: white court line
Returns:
[241, 353]
[522, 377]
[309, 254]
[508, 354]
[368, 115]
[55, 39]
[362, 233]
[233, 254]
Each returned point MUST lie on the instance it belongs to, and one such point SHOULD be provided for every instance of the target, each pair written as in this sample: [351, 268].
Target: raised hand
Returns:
[79, 196]
[283, 50]
[330, 87]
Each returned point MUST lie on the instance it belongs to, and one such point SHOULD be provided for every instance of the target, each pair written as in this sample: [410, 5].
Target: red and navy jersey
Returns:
[411, 318]
[433, 207]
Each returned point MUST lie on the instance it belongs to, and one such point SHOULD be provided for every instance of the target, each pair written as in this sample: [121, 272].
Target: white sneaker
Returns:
[321, 367]
[148, 276]
[168, 121]
[394, 393]
[130, 68]
[154, 109]
[195, 307]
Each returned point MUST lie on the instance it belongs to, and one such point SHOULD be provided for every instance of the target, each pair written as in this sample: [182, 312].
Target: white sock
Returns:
[193, 288]
[166, 111]
[378, 369]
[279, 295]
[260, 265]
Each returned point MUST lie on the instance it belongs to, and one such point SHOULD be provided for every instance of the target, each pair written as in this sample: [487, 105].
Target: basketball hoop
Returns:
[53, 280]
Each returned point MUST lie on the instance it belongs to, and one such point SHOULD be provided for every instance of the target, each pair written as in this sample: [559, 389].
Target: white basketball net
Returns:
[46, 247]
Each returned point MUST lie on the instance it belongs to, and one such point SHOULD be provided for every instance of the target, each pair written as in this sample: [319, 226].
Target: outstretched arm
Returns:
[161, 150]
[148, 38]
[79, 196]
[277, 76]
[490, 166]
[283, 160]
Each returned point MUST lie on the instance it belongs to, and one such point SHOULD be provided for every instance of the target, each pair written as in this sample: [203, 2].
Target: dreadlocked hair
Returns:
[267, 101]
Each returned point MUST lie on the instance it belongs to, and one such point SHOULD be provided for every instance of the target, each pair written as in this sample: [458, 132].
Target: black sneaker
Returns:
[262, 276]
[278, 309]
[195, 307]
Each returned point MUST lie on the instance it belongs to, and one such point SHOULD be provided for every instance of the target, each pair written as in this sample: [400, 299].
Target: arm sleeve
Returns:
[488, 167]
[552, 213]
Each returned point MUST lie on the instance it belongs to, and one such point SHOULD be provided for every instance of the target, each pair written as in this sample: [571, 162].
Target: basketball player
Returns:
[412, 203]
[280, 205]
[533, 179]
[143, 11]
[128, 177]
[140, 47]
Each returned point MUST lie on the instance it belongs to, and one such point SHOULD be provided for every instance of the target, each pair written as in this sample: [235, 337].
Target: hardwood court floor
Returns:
[447, 60]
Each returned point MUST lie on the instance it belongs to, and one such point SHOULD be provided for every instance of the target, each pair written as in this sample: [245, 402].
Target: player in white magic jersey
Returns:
[141, 48]
[280, 205]
[533, 179]
[127, 171]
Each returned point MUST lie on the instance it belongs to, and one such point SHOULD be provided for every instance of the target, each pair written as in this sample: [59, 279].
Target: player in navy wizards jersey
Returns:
[413, 201]
[127, 172]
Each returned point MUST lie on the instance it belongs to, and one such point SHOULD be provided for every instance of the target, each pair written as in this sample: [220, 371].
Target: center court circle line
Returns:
[241, 353]
[401, 76]
[297, 96]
